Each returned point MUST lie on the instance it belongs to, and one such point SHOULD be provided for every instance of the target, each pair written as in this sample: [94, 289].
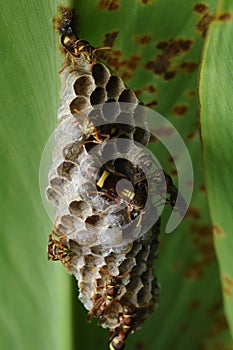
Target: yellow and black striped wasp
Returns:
[56, 249]
[127, 320]
[105, 304]
[124, 187]
[74, 47]
[127, 325]
[77, 48]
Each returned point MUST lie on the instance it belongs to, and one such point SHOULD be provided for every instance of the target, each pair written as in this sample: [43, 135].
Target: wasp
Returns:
[104, 304]
[56, 250]
[135, 200]
[107, 183]
[127, 319]
[117, 186]
[73, 46]
[76, 48]
[90, 132]
[127, 325]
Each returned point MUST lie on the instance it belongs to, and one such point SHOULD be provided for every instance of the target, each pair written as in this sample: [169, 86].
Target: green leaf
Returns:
[35, 295]
[216, 92]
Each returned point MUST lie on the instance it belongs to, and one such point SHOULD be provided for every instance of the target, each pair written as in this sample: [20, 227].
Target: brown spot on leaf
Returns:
[150, 88]
[126, 76]
[204, 230]
[215, 345]
[180, 110]
[204, 23]
[228, 280]
[142, 39]
[117, 53]
[227, 292]
[200, 8]
[114, 5]
[125, 67]
[218, 325]
[111, 56]
[152, 103]
[203, 241]
[169, 75]
[193, 212]
[207, 249]
[109, 5]
[132, 61]
[190, 93]
[145, 2]
[162, 45]
[218, 231]
[225, 16]
[188, 66]
[194, 304]
[112, 61]
[172, 48]
[191, 135]
[173, 172]
[103, 5]
[202, 188]
[150, 65]
[138, 92]
[214, 309]
[195, 270]
[110, 38]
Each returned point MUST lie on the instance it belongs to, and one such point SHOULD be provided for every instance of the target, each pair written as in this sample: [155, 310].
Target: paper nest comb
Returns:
[100, 227]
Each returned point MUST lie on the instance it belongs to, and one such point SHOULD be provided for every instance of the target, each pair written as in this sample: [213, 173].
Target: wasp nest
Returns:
[98, 186]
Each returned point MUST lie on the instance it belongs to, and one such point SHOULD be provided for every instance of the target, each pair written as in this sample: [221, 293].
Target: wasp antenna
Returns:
[102, 48]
